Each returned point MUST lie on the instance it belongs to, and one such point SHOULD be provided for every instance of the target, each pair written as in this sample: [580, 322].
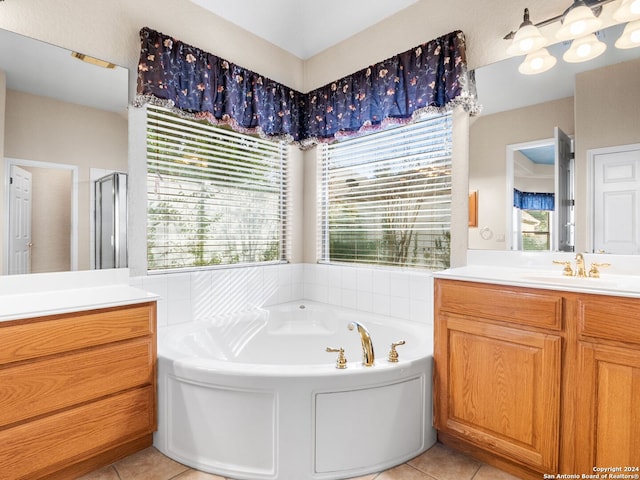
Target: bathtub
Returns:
[256, 395]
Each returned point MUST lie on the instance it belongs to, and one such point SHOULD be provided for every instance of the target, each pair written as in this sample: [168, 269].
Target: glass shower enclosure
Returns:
[111, 221]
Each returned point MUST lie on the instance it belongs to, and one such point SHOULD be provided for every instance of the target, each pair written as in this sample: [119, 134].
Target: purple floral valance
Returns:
[204, 86]
[431, 76]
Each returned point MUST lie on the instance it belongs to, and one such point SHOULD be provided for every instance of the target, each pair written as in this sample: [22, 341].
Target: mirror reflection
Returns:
[65, 127]
[595, 104]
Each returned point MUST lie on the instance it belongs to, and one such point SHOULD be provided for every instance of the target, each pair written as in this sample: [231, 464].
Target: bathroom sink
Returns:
[564, 280]
[620, 282]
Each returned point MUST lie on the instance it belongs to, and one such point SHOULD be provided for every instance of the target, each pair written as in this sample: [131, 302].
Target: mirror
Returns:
[523, 109]
[65, 126]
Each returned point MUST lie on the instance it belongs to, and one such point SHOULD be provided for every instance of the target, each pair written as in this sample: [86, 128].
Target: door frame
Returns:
[510, 170]
[73, 240]
[591, 163]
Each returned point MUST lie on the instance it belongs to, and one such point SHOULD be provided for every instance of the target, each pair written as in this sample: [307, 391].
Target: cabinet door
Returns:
[608, 426]
[499, 387]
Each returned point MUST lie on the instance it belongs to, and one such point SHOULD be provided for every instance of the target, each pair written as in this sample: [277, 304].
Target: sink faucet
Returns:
[580, 270]
[367, 346]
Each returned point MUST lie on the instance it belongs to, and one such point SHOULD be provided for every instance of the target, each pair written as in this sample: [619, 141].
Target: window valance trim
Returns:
[202, 86]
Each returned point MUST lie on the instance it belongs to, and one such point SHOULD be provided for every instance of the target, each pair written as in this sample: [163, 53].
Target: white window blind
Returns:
[386, 197]
[215, 196]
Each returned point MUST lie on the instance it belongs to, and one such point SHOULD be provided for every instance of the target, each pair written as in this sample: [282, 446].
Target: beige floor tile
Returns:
[487, 472]
[149, 464]
[403, 472]
[106, 473]
[444, 463]
[197, 475]
[366, 477]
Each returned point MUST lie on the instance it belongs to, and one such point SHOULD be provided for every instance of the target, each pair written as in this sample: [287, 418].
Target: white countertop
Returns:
[35, 295]
[552, 279]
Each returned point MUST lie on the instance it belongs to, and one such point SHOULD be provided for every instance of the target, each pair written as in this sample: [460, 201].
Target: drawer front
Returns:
[36, 448]
[62, 333]
[522, 306]
[36, 388]
[610, 318]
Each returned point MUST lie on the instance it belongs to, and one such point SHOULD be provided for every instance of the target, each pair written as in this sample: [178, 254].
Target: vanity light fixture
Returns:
[537, 62]
[584, 49]
[92, 60]
[630, 37]
[527, 39]
[628, 11]
[578, 21]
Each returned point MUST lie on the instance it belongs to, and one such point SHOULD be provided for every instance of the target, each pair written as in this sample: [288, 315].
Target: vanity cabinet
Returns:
[537, 381]
[77, 391]
[497, 370]
[608, 401]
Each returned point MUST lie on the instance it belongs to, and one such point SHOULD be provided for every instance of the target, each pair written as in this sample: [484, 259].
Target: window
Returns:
[534, 229]
[386, 197]
[215, 197]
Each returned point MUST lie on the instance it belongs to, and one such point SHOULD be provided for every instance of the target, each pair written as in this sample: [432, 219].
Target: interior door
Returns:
[616, 200]
[20, 201]
[563, 209]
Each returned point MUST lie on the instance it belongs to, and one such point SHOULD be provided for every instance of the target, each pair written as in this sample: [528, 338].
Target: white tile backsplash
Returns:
[402, 294]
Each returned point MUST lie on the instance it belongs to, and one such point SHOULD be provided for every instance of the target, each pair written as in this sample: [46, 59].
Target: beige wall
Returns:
[44, 130]
[607, 114]
[51, 219]
[488, 137]
[109, 30]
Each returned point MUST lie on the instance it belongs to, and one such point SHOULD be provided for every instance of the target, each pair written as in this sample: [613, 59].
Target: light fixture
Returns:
[92, 60]
[578, 21]
[527, 39]
[584, 49]
[630, 37]
[627, 11]
[537, 62]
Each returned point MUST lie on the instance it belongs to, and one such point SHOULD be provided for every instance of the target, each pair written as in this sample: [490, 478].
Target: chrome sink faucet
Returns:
[367, 346]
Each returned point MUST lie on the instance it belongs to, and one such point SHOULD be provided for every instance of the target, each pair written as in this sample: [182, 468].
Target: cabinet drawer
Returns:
[61, 333]
[32, 389]
[521, 306]
[610, 318]
[34, 449]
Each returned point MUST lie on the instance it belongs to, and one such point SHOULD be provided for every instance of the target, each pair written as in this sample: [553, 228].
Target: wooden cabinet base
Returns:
[104, 458]
[520, 471]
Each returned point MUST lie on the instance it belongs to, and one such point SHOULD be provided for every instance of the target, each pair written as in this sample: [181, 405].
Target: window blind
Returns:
[386, 197]
[215, 197]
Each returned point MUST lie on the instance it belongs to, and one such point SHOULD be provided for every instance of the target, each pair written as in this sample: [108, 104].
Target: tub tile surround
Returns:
[184, 297]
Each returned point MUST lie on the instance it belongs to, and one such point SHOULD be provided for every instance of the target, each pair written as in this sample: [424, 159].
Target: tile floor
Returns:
[437, 463]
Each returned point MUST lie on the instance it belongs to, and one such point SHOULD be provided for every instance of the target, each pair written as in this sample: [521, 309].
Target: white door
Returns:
[616, 200]
[19, 221]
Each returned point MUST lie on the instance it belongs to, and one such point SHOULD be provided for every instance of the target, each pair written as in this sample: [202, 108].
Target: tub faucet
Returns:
[367, 346]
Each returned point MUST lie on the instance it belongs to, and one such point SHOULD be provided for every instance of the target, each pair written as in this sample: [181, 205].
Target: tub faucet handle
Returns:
[393, 354]
[341, 362]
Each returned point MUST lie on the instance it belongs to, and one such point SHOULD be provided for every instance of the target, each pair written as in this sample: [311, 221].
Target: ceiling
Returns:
[304, 28]
[45, 69]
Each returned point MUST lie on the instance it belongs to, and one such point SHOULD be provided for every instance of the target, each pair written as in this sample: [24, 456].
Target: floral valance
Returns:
[201, 85]
[431, 76]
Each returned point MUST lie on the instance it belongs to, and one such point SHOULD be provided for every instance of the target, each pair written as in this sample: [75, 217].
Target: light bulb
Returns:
[583, 49]
[630, 37]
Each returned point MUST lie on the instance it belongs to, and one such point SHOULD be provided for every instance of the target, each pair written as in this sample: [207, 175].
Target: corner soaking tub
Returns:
[257, 396]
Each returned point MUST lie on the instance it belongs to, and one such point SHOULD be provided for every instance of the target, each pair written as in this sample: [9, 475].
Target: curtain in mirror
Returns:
[533, 200]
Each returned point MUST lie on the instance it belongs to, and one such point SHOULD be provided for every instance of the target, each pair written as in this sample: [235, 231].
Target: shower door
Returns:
[111, 221]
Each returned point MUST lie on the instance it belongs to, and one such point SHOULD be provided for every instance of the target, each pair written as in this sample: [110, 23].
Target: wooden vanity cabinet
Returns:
[77, 391]
[497, 373]
[537, 381]
[608, 379]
